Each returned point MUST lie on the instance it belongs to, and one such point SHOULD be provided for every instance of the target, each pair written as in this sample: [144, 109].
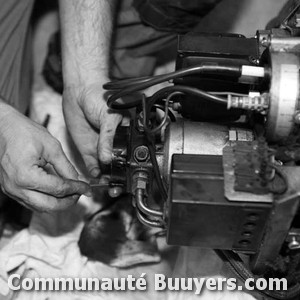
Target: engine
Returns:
[218, 167]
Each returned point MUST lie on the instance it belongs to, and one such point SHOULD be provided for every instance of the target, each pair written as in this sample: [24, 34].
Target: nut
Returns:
[141, 153]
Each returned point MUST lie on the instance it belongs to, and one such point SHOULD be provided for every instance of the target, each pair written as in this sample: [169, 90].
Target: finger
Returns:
[41, 202]
[107, 132]
[92, 164]
[44, 202]
[86, 140]
[56, 157]
[53, 185]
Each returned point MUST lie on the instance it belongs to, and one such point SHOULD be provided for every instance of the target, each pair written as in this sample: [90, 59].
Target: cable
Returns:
[186, 90]
[165, 118]
[141, 84]
[125, 83]
[228, 93]
[284, 178]
[170, 114]
[235, 263]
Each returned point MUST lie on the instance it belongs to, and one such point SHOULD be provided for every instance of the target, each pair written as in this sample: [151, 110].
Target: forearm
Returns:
[86, 27]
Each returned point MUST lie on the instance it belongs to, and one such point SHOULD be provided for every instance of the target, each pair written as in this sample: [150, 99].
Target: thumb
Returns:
[107, 133]
[92, 164]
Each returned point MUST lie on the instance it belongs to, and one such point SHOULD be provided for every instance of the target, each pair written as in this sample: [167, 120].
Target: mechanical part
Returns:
[294, 244]
[284, 210]
[256, 103]
[293, 239]
[193, 138]
[252, 170]
[216, 168]
[215, 49]
[284, 90]
[233, 191]
[141, 153]
[200, 215]
[115, 191]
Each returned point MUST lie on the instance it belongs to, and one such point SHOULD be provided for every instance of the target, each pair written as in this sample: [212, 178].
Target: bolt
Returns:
[141, 153]
[294, 244]
[115, 191]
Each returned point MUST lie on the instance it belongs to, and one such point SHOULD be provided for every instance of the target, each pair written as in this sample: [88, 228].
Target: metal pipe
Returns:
[139, 196]
[147, 222]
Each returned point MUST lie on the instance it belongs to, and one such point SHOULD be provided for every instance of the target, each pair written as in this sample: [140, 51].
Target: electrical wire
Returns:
[235, 263]
[125, 83]
[185, 90]
[165, 118]
[140, 84]
[147, 105]
[284, 178]
[170, 114]
[158, 178]
[169, 92]
[151, 147]
[228, 93]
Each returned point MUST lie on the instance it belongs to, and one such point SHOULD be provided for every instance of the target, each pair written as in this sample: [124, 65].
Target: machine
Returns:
[218, 167]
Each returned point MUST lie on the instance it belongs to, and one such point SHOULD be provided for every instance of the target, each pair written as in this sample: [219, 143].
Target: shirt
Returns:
[15, 52]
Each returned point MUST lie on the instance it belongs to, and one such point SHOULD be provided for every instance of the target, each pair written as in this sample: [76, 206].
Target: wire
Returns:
[165, 118]
[151, 147]
[228, 93]
[125, 83]
[235, 263]
[284, 178]
[186, 90]
[170, 114]
[141, 84]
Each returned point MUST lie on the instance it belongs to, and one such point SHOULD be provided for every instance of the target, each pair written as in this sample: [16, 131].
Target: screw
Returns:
[141, 153]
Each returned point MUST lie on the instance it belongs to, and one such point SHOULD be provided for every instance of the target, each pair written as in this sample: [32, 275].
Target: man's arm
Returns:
[87, 27]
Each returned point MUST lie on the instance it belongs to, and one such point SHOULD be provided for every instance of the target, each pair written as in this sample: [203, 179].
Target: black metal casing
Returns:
[200, 48]
[200, 215]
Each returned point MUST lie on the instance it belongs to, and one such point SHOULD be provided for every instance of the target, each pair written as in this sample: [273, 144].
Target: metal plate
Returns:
[229, 180]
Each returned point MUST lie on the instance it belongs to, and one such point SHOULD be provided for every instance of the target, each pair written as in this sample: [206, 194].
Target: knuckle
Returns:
[59, 190]
[65, 189]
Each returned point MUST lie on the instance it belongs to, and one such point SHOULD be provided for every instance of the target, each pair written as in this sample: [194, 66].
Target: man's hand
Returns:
[91, 124]
[86, 28]
[33, 167]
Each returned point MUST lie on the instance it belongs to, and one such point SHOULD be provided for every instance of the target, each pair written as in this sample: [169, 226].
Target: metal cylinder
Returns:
[284, 94]
[184, 137]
